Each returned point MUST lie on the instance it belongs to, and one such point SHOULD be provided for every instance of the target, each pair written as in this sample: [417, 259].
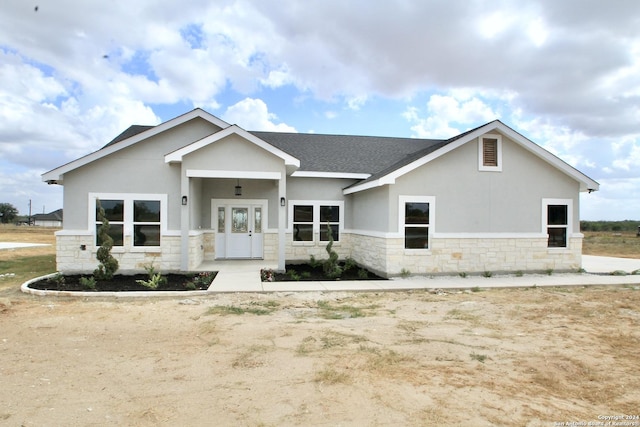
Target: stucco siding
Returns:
[473, 201]
[373, 211]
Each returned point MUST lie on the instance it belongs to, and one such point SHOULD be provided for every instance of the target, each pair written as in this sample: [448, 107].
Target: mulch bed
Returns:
[306, 272]
[127, 283]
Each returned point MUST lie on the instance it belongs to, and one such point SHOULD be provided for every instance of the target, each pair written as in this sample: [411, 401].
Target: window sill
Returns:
[417, 251]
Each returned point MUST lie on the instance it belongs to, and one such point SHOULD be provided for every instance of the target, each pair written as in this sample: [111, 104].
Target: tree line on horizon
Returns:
[618, 226]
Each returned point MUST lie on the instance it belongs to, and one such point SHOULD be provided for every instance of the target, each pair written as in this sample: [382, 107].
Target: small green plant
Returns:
[463, 274]
[519, 273]
[475, 289]
[88, 282]
[349, 263]
[313, 262]
[549, 271]
[155, 279]
[404, 273]
[108, 265]
[479, 357]
[305, 275]
[636, 272]
[200, 280]
[58, 280]
[618, 273]
[487, 274]
[363, 274]
[293, 275]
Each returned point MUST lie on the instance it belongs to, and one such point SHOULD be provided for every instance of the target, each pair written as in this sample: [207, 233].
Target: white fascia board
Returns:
[177, 155]
[343, 175]
[586, 183]
[198, 173]
[56, 174]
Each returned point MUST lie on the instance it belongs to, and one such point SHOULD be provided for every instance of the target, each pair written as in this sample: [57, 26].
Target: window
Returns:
[303, 223]
[311, 218]
[146, 223]
[329, 217]
[557, 221]
[114, 213]
[137, 216]
[490, 153]
[416, 225]
[557, 226]
[416, 214]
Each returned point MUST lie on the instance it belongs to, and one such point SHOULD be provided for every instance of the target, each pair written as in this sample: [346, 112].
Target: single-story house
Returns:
[51, 219]
[196, 189]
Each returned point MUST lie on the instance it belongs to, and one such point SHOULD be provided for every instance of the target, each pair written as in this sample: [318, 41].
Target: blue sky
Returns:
[566, 74]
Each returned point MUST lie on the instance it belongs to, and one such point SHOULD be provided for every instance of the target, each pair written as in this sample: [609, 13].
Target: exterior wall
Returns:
[387, 256]
[473, 201]
[139, 168]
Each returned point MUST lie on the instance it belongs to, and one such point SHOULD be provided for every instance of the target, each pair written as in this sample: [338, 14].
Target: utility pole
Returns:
[29, 211]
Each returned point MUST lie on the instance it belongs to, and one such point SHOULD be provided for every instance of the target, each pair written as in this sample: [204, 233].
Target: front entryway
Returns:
[239, 228]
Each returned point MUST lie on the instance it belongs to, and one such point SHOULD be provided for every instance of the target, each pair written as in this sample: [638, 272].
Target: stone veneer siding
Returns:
[71, 258]
[387, 256]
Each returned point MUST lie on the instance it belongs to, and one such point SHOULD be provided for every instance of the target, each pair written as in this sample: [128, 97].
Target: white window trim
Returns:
[402, 201]
[481, 166]
[127, 232]
[316, 219]
[545, 220]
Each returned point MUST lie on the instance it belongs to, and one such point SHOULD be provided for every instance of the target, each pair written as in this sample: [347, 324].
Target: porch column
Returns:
[184, 221]
[282, 220]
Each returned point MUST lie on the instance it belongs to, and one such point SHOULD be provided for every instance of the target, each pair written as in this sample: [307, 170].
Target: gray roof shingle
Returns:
[348, 153]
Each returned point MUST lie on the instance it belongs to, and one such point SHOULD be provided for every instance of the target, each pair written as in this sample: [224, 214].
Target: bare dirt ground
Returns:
[531, 357]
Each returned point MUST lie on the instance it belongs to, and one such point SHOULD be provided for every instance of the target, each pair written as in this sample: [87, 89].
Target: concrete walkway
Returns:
[15, 245]
[242, 276]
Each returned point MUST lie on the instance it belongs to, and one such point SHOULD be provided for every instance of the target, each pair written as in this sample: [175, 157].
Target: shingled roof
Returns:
[348, 153]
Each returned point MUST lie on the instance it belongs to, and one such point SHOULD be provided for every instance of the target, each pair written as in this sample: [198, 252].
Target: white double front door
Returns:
[239, 228]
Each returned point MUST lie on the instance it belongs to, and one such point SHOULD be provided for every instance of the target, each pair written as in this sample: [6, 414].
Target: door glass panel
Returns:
[221, 220]
[257, 220]
[239, 220]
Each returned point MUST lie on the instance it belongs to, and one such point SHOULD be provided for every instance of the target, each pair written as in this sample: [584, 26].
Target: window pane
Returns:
[557, 215]
[113, 209]
[303, 232]
[416, 213]
[416, 237]
[116, 233]
[557, 237]
[324, 236]
[257, 226]
[239, 220]
[302, 213]
[329, 214]
[146, 211]
[220, 220]
[146, 235]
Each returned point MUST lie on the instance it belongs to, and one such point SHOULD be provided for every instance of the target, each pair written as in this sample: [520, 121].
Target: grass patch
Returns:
[255, 308]
[19, 270]
[331, 376]
[605, 243]
[328, 310]
[479, 357]
[458, 314]
[251, 357]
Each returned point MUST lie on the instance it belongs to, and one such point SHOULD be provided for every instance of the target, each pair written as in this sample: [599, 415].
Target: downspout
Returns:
[184, 220]
[282, 220]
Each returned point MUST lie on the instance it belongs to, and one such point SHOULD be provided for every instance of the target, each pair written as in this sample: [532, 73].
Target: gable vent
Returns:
[489, 152]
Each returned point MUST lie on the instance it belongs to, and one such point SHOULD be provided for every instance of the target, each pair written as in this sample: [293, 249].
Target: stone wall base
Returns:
[385, 256]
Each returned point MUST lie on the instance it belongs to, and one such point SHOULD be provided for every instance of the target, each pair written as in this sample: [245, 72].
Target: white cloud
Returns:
[448, 115]
[253, 114]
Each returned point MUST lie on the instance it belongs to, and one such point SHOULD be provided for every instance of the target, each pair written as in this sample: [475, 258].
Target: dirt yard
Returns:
[527, 357]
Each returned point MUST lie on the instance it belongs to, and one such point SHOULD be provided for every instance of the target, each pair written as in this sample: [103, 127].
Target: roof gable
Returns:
[127, 138]
[177, 155]
[395, 171]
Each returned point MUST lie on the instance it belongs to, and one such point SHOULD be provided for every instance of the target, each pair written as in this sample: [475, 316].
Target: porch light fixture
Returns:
[283, 202]
[184, 200]
[238, 189]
